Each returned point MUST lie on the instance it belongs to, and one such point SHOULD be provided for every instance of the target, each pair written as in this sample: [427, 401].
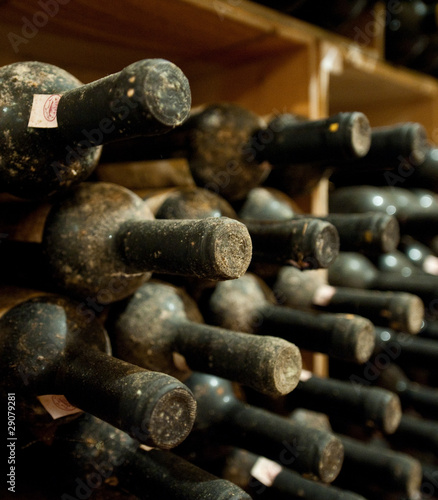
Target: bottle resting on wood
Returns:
[230, 149]
[101, 242]
[50, 347]
[52, 142]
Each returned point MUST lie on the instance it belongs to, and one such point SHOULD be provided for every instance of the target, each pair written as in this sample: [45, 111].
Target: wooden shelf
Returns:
[231, 50]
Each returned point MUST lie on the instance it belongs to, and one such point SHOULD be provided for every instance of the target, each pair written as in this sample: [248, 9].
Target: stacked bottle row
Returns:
[410, 27]
[133, 324]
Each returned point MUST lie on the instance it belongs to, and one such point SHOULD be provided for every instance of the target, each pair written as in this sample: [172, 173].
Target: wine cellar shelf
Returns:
[231, 50]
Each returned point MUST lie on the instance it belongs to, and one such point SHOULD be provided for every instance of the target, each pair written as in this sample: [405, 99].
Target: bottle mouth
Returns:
[354, 338]
[170, 99]
[360, 134]
[418, 143]
[173, 418]
[327, 245]
[388, 228]
[231, 247]
[331, 460]
[407, 313]
[392, 414]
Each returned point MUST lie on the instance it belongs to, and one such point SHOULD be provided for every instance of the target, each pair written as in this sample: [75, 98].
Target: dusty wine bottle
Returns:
[354, 270]
[101, 243]
[429, 330]
[366, 406]
[416, 432]
[420, 397]
[407, 350]
[54, 126]
[397, 310]
[398, 149]
[397, 262]
[387, 470]
[415, 216]
[96, 453]
[155, 323]
[307, 243]
[264, 478]
[224, 417]
[246, 307]
[393, 148]
[390, 376]
[369, 233]
[426, 174]
[366, 465]
[51, 346]
[225, 139]
[419, 254]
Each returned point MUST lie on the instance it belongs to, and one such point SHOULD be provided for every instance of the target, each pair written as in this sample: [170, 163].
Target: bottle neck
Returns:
[340, 137]
[213, 248]
[148, 97]
[138, 408]
[268, 364]
[307, 243]
[157, 471]
[388, 469]
[370, 406]
[342, 336]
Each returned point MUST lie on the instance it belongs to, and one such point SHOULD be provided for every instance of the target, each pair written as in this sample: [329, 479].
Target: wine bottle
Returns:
[415, 216]
[397, 310]
[367, 233]
[397, 146]
[94, 453]
[419, 254]
[397, 262]
[386, 470]
[395, 151]
[407, 350]
[50, 345]
[367, 467]
[418, 433]
[245, 307]
[390, 376]
[407, 33]
[307, 243]
[155, 323]
[54, 126]
[266, 479]
[230, 149]
[425, 175]
[429, 330]
[355, 270]
[371, 407]
[228, 420]
[420, 397]
[101, 243]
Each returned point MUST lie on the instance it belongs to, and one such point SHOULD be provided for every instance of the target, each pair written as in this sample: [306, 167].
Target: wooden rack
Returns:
[231, 50]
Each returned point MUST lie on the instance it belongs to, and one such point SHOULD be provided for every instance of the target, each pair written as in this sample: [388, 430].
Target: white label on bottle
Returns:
[44, 111]
[265, 471]
[323, 295]
[57, 405]
[305, 375]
